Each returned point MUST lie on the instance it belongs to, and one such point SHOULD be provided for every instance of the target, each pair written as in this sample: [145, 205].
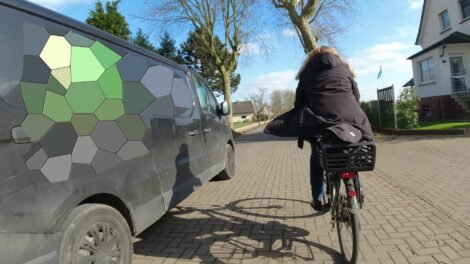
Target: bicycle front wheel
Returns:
[347, 222]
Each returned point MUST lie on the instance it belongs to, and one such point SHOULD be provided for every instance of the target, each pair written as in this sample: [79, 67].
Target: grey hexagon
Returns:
[132, 68]
[37, 161]
[181, 94]
[60, 140]
[82, 171]
[57, 169]
[35, 70]
[105, 160]
[158, 80]
[182, 97]
[35, 37]
[78, 40]
[162, 107]
[132, 150]
[148, 139]
[108, 136]
[58, 31]
[84, 150]
[35, 177]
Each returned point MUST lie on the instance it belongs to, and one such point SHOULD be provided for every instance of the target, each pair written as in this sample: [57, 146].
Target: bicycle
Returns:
[342, 163]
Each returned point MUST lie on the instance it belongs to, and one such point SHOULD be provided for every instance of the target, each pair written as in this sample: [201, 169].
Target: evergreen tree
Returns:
[201, 62]
[142, 40]
[110, 21]
[168, 49]
[407, 109]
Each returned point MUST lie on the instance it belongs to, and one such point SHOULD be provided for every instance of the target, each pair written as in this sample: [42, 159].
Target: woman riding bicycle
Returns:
[327, 95]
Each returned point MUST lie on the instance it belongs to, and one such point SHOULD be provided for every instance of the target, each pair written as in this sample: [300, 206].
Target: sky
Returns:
[381, 33]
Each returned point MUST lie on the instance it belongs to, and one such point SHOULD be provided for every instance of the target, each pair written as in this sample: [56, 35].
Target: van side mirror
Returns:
[224, 108]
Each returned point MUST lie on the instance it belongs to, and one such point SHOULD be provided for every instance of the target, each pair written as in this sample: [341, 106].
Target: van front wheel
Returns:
[229, 170]
[95, 233]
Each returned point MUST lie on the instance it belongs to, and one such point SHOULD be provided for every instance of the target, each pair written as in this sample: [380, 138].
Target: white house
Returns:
[441, 69]
[242, 111]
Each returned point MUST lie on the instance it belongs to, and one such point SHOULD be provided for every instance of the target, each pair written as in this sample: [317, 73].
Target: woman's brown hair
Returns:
[319, 50]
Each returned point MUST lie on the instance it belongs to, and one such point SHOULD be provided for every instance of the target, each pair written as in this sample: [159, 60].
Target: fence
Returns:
[382, 112]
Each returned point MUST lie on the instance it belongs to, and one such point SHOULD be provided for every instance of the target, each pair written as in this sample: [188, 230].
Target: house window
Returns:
[243, 116]
[427, 110]
[426, 68]
[465, 5]
[445, 20]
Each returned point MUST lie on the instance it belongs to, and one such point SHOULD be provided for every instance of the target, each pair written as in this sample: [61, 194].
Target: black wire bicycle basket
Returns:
[355, 157]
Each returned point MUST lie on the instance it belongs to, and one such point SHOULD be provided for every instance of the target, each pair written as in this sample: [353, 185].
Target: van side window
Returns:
[206, 98]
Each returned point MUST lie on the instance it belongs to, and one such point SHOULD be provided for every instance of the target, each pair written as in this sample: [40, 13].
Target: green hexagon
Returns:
[84, 124]
[111, 83]
[85, 66]
[110, 110]
[33, 96]
[105, 56]
[136, 97]
[85, 97]
[132, 126]
[57, 108]
[36, 126]
[53, 85]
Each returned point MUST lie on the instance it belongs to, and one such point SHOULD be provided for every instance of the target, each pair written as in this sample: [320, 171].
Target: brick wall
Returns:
[441, 107]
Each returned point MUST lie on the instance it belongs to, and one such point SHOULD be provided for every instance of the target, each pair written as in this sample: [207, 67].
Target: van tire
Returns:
[229, 170]
[87, 222]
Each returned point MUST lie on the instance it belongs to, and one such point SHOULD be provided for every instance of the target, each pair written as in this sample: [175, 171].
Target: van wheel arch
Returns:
[114, 202]
[230, 142]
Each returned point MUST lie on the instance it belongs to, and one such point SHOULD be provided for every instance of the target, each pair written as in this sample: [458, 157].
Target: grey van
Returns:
[98, 139]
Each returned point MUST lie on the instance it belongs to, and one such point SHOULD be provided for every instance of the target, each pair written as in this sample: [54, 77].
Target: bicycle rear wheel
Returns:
[347, 223]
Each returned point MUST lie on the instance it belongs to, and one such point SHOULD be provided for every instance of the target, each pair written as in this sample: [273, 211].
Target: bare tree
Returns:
[259, 100]
[315, 20]
[276, 102]
[289, 99]
[229, 17]
[282, 101]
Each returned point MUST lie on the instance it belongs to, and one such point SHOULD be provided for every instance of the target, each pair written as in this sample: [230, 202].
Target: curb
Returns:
[250, 127]
[410, 132]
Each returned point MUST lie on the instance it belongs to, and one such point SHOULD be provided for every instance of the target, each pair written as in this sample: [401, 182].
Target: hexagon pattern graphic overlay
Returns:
[87, 105]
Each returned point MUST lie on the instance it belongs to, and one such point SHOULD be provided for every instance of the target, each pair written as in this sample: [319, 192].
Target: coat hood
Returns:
[323, 61]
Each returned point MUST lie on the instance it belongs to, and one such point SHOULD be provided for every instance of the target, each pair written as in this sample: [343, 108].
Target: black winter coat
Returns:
[326, 95]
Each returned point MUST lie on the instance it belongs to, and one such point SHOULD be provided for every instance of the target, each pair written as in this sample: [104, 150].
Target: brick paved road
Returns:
[417, 209]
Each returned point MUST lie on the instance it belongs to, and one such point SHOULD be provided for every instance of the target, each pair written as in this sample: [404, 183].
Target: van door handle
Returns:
[192, 133]
[19, 136]
[207, 130]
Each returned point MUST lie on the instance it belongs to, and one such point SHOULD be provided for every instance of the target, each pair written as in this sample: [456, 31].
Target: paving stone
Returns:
[405, 218]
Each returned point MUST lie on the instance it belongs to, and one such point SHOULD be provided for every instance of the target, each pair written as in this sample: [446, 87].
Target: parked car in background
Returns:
[98, 138]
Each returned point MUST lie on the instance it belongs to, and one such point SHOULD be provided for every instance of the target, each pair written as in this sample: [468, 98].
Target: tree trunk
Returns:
[308, 40]
[227, 92]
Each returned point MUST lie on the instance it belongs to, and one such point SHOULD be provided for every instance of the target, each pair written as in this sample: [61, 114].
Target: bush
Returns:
[407, 109]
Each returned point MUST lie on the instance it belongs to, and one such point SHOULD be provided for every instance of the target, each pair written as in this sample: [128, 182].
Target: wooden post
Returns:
[394, 108]
[378, 108]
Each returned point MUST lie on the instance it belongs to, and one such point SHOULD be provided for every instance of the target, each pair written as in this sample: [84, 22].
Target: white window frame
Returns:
[441, 17]
[427, 110]
[461, 10]
[427, 74]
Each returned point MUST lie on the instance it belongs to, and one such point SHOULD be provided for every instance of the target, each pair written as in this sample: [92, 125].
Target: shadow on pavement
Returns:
[260, 136]
[217, 234]
[393, 139]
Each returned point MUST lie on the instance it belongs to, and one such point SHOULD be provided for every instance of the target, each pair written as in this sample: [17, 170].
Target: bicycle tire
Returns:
[347, 223]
